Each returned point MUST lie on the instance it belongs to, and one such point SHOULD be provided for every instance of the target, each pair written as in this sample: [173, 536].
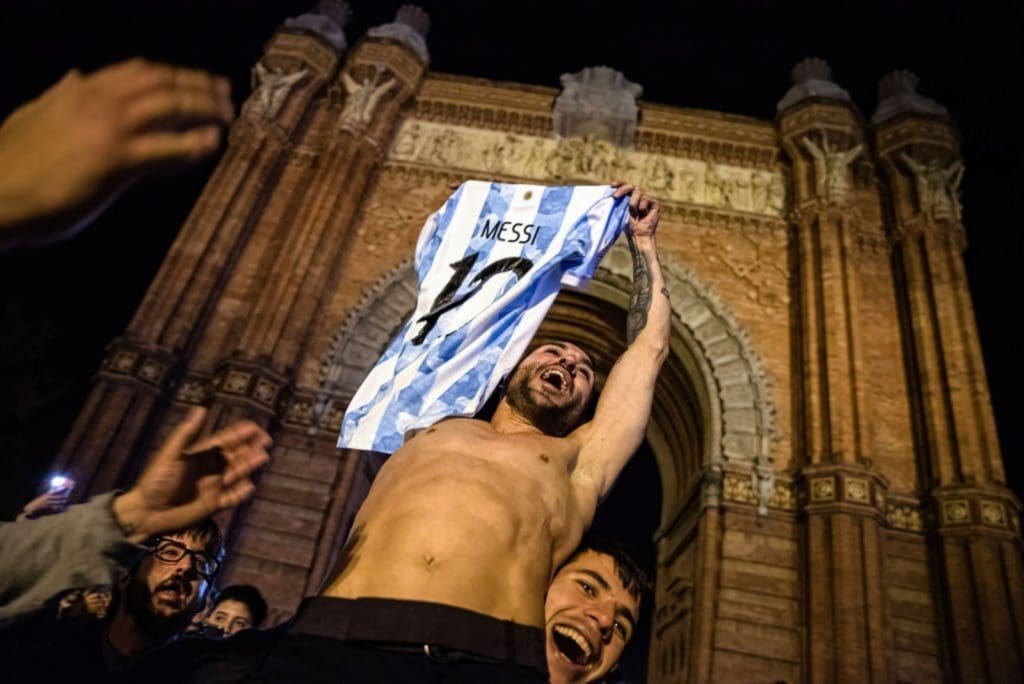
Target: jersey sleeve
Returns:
[596, 233]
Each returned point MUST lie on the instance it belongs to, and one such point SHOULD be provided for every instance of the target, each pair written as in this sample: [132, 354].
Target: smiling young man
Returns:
[452, 552]
[591, 612]
[238, 607]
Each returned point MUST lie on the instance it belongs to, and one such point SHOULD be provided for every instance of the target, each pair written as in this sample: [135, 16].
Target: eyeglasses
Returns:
[170, 551]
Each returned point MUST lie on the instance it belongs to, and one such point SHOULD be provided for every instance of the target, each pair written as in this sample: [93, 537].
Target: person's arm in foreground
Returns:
[86, 544]
[620, 421]
[67, 154]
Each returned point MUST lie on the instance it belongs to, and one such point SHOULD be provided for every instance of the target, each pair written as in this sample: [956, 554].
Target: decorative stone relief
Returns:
[491, 153]
[823, 489]
[597, 102]
[409, 27]
[938, 188]
[363, 98]
[905, 517]
[244, 380]
[956, 512]
[764, 492]
[857, 490]
[145, 366]
[993, 513]
[271, 90]
[328, 21]
[193, 390]
[831, 175]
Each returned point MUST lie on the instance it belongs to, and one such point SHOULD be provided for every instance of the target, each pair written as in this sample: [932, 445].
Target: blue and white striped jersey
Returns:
[490, 263]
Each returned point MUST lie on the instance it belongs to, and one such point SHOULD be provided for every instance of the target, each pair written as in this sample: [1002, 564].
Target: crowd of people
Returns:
[124, 586]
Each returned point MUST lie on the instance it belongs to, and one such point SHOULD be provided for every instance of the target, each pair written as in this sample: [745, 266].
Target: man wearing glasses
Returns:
[153, 604]
[166, 589]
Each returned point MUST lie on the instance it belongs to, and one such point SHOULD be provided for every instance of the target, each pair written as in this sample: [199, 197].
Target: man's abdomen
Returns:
[470, 539]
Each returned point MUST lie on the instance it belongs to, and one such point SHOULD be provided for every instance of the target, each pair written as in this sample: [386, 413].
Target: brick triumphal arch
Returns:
[834, 503]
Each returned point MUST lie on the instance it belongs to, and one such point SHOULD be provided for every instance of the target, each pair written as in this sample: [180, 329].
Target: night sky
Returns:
[59, 306]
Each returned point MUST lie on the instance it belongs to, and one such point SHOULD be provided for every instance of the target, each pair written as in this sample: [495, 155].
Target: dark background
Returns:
[60, 306]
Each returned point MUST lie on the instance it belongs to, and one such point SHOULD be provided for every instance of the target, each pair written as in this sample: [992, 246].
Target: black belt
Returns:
[419, 624]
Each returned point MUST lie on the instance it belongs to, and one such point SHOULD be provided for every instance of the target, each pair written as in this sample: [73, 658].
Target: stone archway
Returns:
[711, 408]
[712, 405]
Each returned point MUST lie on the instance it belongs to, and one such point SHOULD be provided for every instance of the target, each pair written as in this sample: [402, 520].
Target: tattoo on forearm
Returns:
[640, 300]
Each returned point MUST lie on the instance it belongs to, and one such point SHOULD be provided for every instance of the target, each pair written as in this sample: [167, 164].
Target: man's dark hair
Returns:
[250, 596]
[633, 577]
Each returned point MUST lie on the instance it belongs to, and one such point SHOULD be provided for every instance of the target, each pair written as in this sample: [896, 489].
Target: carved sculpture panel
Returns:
[270, 90]
[363, 97]
[496, 153]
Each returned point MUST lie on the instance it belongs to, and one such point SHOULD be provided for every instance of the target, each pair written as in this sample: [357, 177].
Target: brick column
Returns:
[144, 366]
[288, 536]
[821, 132]
[975, 521]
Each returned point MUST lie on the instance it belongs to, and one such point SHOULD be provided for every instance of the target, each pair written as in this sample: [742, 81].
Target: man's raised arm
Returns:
[619, 423]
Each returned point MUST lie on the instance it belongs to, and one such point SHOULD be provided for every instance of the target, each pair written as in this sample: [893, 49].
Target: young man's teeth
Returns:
[575, 636]
[551, 372]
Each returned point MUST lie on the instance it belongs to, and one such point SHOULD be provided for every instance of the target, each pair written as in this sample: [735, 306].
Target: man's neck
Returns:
[126, 637]
[506, 420]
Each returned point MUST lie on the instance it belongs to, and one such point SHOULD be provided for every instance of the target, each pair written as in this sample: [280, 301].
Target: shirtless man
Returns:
[454, 548]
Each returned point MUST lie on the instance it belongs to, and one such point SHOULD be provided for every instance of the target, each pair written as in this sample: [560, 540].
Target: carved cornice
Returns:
[304, 47]
[480, 103]
[821, 115]
[490, 153]
[730, 487]
[841, 488]
[915, 129]
[236, 380]
[312, 414]
[741, 487]
[146, 367]
[665, 131]
[904, 514]
[971, 511]
[706, 135]
[400, 60]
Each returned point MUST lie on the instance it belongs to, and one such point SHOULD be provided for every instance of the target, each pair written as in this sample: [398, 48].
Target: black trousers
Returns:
[370, 641]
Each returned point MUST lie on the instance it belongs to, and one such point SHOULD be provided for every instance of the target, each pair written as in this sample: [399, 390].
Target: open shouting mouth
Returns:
[573, 645]
[171, 591]
[557, 378]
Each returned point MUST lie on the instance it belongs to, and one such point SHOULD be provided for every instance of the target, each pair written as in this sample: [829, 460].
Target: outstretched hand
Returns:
[182, 486]
[51, 502]
[644, 210]
[71, 151]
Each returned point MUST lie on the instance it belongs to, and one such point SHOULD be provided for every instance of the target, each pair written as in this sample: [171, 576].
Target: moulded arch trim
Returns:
[717, 359]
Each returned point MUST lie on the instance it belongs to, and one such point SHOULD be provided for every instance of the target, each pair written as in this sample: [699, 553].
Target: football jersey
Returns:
[489, 263]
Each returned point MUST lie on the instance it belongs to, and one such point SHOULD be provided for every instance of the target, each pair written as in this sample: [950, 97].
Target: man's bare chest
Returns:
[458, 457]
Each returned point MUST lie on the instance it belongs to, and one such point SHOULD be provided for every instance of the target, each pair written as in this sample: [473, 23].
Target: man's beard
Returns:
[557, 421]
[139, 604]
